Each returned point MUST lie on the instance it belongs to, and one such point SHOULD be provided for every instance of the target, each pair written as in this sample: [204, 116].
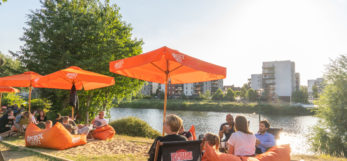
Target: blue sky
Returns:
[237, 34]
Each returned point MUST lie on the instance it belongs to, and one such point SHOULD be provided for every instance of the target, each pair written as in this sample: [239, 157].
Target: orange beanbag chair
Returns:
[103, 133]
[276, 153]
[279, 152]
[211, 155]
[56, 137]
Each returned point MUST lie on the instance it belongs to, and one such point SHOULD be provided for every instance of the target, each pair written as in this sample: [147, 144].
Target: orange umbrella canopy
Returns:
[20, 80]
[65, 78]
[8, 90]
[155, 65]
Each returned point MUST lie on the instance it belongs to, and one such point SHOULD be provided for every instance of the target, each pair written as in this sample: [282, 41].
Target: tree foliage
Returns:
[230, 95]
[206, 95]
[13, 99]
[300, 96]
[218, 95]
[9, 66]
[330, 135]
[315, 91]
[84, 33]
[244, 90]
[251, 95]
[2, 1]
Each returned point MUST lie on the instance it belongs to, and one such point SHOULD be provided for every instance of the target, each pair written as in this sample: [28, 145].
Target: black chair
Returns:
[179, 150]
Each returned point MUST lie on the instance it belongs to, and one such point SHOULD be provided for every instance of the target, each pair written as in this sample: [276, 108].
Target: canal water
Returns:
[295, 128]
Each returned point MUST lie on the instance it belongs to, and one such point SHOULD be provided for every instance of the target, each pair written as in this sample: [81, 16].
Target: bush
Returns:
[218, 95]
[12, 99]
[133, 126]
[40, 104]
[330, 134]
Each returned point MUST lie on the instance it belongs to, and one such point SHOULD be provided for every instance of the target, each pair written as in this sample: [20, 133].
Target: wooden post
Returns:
[0, 100]
[72, 114]
[165, 101]
[29, 99]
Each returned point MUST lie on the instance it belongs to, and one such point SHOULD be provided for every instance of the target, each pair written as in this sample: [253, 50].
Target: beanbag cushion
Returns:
[211, 155]
[103, 133]
[56, 137]
[279, 152]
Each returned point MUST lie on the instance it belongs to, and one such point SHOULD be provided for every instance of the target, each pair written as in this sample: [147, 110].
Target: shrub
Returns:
[133, 126]
[12, 98]
[40, 104]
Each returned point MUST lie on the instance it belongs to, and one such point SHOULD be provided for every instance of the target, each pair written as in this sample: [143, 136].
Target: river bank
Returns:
[124, 148]
[215, 106]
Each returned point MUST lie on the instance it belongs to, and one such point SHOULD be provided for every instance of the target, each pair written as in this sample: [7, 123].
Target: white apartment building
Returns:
[188, 89]
[256, 81]
[279, 79]
[314, 82]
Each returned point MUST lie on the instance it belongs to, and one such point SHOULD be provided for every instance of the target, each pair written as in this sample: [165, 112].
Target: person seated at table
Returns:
[69, 127]
[242, 142]
[48, 124]
[58, 118]
[172, 125]
[264, 140]
[19, 122]
[212, 140]
[41, 117]
[100, 121]
[186, 134]
[32, 116]
[7, 124]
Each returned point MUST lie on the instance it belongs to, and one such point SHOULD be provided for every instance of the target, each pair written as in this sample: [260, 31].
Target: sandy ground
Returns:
[117, 145]
[107, 147]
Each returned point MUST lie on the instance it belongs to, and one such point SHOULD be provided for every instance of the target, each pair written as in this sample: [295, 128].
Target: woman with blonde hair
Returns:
[242, 142]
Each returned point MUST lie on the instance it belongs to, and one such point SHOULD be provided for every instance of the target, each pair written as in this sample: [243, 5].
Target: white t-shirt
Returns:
[98, 122]
[244, 144]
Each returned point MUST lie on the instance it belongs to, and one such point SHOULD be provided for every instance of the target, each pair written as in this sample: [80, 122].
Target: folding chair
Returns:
[179, 151]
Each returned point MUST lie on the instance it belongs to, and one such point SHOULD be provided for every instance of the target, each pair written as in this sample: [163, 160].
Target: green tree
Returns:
[84, 33]
[230, 95]
[12, 99]
[244, 90]
[315, 91]
[3, 1]
[330, 134]
[218, 95]
[206, 95]
[9, 66]
[251, 95]
[300, 96]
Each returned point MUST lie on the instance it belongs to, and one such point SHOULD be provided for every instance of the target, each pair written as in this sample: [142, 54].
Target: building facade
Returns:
[318, 83]
[188, 89]
[256, 81]
[280, 80]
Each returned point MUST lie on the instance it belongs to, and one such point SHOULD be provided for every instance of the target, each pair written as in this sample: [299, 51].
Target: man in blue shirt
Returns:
[265, 140]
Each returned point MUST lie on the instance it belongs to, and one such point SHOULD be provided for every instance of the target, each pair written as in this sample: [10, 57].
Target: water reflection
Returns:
[295, 128]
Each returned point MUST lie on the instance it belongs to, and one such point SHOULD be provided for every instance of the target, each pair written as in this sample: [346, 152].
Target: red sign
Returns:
[182, 155]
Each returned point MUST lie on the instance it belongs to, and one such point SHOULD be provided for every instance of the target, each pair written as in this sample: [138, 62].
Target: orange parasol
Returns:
[74, 76]
[20, 80]
[164, 64]
[7, 90]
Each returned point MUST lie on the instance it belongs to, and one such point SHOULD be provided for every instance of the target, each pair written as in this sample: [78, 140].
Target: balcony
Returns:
[270, 81]
[268, 76]
[268, 65]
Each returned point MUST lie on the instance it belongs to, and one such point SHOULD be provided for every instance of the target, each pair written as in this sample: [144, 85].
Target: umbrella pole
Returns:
[72, 113]
[165, 101]
[0, 99]
[29, 99]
